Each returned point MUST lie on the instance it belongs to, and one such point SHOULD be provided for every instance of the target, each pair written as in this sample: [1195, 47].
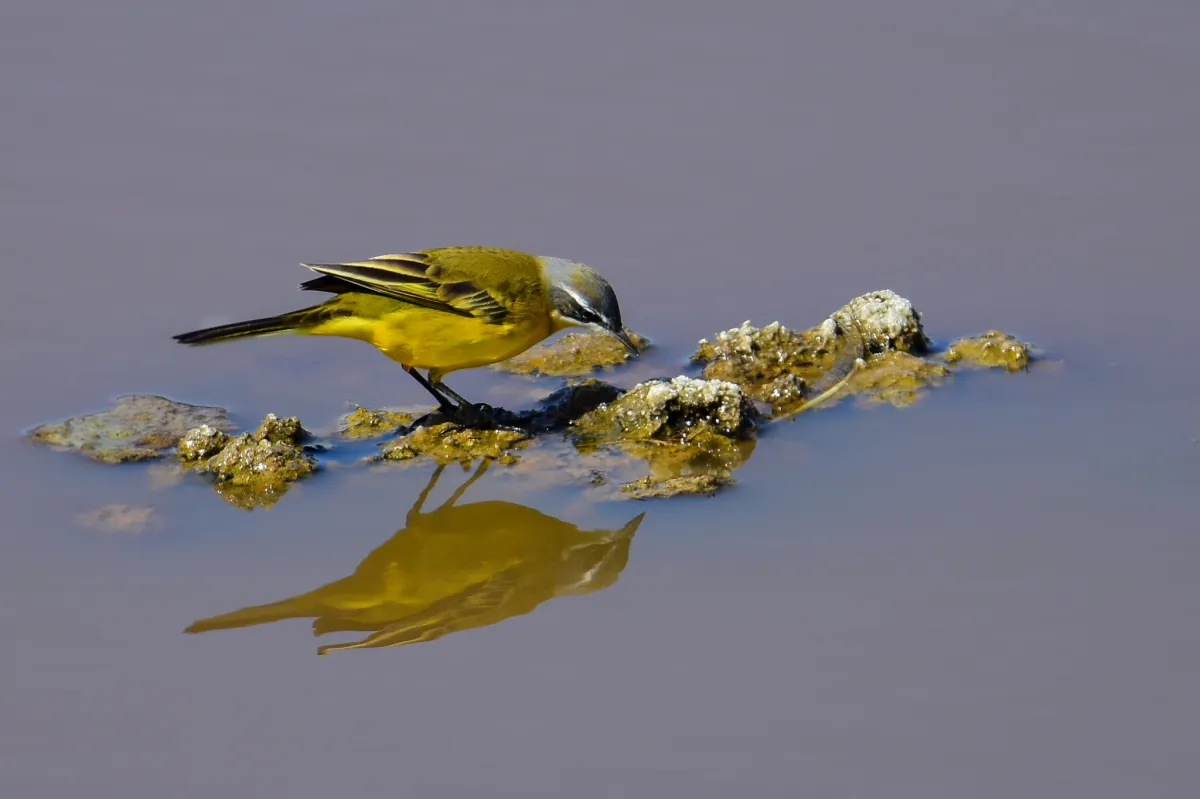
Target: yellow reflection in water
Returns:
[450, 569]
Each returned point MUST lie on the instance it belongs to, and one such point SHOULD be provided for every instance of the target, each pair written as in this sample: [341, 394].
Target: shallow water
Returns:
[991, 593]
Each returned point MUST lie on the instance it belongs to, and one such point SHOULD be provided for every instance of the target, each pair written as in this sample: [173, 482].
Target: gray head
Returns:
[581, 297]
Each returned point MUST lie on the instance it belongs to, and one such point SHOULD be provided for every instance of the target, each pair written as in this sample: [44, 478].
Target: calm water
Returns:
[990, 594]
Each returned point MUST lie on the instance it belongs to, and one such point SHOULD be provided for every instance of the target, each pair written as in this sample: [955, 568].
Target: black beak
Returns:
[624, 338]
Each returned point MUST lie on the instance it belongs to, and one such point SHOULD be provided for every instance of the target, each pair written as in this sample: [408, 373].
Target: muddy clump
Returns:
[573, 354]
[700, 430]
[138, 427]
[790, 369]
[772, 364]
[252, 469]
[676, 409]
[452, 443]
[364, 423]
[992, 350]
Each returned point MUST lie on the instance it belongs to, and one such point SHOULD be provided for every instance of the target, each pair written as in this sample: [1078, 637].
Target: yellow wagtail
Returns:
[444, 309]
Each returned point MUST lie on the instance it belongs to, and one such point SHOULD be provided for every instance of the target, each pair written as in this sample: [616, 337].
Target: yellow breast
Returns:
[438, 341]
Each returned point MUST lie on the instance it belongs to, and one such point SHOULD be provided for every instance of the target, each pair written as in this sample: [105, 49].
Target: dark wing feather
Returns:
[414, 278]
[330, 284]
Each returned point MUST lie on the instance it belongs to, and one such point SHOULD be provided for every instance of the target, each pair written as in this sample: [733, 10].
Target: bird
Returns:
[454, 568]
[444, 309]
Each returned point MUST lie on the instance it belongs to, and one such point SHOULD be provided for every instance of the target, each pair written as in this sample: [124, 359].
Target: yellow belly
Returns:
[437, 341]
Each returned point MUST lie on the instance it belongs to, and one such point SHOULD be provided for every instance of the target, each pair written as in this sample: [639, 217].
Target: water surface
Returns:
[991, 593]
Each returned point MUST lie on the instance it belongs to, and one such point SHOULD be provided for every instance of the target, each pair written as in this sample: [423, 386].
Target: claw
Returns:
[482, 416]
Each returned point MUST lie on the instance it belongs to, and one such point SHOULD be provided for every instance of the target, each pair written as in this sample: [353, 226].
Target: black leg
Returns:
[464, 413]
[438, 385]
[462, 489]
[415, 511]
[444, 404]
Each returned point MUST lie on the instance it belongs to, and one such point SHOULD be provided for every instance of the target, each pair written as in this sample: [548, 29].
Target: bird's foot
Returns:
[442, 415]
[476, 416]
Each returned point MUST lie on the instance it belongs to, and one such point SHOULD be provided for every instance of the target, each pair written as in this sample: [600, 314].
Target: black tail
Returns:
[251, 328]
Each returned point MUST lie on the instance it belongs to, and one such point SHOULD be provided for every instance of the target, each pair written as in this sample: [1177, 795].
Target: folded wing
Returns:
[415, 278]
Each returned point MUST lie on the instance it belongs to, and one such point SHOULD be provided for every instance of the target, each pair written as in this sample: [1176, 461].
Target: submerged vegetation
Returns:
[138, 427]
[660, 438]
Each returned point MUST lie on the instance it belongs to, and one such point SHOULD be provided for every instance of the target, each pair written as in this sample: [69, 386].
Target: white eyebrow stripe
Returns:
[578, 298]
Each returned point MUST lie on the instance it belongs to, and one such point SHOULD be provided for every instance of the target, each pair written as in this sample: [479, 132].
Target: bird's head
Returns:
[581, 297]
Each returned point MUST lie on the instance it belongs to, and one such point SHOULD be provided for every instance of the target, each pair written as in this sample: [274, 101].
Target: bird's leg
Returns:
[445, 390]
[462, 489]
[444, 405]
[470, 413]
[415, 511]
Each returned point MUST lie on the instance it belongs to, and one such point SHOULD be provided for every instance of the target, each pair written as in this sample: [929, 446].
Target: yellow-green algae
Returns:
[138, 427]
[992, 350]
[574, 354]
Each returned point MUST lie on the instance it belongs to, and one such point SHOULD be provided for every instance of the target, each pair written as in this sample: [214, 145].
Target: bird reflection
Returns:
[453, 568]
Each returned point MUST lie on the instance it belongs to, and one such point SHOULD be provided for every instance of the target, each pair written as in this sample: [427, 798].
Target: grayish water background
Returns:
[992, 593]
